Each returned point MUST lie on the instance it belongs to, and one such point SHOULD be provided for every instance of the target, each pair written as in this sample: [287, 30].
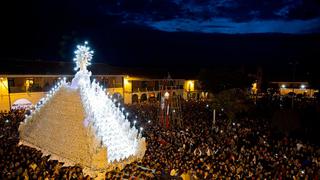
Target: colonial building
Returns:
[285, 88]
[27, 89]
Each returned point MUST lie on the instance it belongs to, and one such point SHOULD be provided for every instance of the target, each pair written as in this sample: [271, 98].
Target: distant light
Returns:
[283, 86]
[149, 121]
[302, 86]
[207, 105]
[141, 128]
[233, 123]
[166, 95]
[222, 109]
[174, 111]
[127, 114]
[134, 121]
[7, 121]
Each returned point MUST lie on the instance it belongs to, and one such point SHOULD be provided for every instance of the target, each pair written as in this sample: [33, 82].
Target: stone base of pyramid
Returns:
[58, 129]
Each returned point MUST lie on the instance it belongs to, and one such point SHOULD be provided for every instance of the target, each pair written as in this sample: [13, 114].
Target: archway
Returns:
[135, 98]
[143, 97]
[152, 97]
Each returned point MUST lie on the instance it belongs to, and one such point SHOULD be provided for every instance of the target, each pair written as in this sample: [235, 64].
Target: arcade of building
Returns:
[27, 90]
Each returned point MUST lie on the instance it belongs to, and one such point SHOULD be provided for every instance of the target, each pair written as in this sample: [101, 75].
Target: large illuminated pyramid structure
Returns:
[78, 123]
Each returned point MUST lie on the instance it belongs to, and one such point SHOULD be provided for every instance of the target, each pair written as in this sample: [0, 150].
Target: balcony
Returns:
[23, 89]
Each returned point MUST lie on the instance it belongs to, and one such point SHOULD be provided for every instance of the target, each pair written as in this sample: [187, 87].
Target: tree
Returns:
[219, 79]
[229, 87]
[232, 101]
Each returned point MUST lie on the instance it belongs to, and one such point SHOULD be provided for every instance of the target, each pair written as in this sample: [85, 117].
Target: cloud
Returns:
[224, 25]
[223, 16]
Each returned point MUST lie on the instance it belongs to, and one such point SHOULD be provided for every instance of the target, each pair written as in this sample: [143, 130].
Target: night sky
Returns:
[160, 33]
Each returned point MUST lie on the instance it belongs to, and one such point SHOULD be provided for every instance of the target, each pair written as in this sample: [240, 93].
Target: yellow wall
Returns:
[115, 90]
[127, 97]
[4, 98]
[33, 97]
[309, 92]
[188, 85]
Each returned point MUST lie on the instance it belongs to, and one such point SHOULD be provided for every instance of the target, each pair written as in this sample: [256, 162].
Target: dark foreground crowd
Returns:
[240, 149]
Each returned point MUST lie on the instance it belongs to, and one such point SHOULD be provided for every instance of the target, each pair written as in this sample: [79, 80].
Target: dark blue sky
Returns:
[219, 16]
[166, 32]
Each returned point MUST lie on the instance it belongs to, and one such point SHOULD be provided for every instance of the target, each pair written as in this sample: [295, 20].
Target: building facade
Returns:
[26, 90]
[302, 88]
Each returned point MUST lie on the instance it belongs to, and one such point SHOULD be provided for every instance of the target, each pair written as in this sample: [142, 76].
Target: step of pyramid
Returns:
[58, 127]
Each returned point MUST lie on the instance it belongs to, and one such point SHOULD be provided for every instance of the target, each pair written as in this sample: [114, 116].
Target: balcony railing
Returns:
[23, 89]
[136, 90]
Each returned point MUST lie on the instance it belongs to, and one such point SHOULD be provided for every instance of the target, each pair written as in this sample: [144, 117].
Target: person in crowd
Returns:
[242, 149]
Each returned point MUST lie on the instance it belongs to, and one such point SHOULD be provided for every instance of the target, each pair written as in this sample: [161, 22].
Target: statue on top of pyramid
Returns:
[83, 57]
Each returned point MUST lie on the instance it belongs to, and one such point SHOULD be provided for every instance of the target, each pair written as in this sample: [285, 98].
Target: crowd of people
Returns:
[229, 149]
[23, 162]
[238, 149]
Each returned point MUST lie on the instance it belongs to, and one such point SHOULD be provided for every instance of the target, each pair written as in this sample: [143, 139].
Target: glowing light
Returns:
[109, 124]
[302, 86]
[166, 95]
[83, 56]
[112, 126]
[283, 86]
